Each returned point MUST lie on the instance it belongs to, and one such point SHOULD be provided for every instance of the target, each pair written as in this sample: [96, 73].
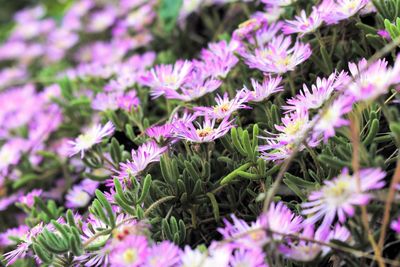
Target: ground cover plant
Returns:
[200, 133]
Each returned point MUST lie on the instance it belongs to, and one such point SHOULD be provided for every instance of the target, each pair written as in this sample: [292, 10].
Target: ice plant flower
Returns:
[91, 137]
[29, 199]
[225, 106]
[334, 11]
[303, 250]
[15, 233]
[262, 91]
[332, 118]
[80, 195]
[280, 146]
[395, 225]
[131, 252]
[164, 77]
[203, 133]
[216, 257]
[340, 195]
[278, 2]
[278, 56]
[303, 24]
[280, 219]
[371, 80]
[23, 247]
[219, 59]
[164, 254]
[145, 154]
[254, 257]
[319, 93]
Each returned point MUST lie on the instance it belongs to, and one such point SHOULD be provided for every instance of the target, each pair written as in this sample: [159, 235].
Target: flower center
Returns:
[204, 132]
[130, 256]
[222, 108]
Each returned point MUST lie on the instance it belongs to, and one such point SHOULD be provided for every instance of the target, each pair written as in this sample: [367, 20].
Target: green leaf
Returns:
[145, 190]
[168, 13]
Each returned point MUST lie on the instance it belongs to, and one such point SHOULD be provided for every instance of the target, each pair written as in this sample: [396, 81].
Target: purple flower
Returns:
[371, 80]
[23, 247]
[334, 11]
[17, 232]
[248, 257]
[102, 19]
[339, 196]
[131, 252]
[263, 91]
[303, 250]
[92, 136]
[204, 133]
[160, 131]
[128, 101]
[219, 59]
[278, 2]
[218, 256]
[278, 56]
[319, 93]
[167, 77]
[145, 154]
[29, 199]
[164, 254]
[395, 225]
[225, 106]
[303, 24]
[332, 118]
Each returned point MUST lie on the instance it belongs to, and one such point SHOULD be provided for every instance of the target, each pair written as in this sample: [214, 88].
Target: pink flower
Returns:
[207, 132]
[91, 137]
[333, 118]
[395, 225]
[29, 199]
[263, 91]
[303, 250]
[334, 11]
[219, 59]
[248, 257]
[145, 154]
[278, 56]
[303, 24]
[131, 252]
[164, 254]
[16, 232]
[319, 93]
[167, 77]
[340, 195]
[225, 106]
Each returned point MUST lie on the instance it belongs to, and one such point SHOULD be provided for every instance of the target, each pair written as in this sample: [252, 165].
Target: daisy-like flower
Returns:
[198, 84]
[280, 146]
[145, 154]
[132, 252]
[17, 232]
[160, 131]
[340, 195]
[225, 106]
[262, 91]
[265, 34]
[248, 257]
[22, 249]
[333, 118]
[370, 81]
[219, 59]
[80, 195]
[282, 220]
[278, 56]
[334, 11]
[278, 218]
[319, 93]
[29, 199]
[218, 256]
[164, 254]
[395, 225]
[207, 132]
[306, 250]
[303, 24]
[164, 77]
[90, 138]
